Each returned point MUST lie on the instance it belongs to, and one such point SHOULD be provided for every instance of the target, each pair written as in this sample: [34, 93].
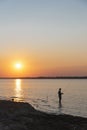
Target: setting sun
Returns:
[18, 65]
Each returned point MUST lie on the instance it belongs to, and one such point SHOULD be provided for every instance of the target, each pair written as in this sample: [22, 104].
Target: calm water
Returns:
[42, 94]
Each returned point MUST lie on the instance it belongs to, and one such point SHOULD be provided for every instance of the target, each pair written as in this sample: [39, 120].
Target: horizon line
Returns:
[45, 77]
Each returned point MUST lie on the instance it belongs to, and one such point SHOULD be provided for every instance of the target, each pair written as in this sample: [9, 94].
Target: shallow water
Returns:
[42, 94]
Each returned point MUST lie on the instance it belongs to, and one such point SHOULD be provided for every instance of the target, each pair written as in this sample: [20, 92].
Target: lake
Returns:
[42, 94]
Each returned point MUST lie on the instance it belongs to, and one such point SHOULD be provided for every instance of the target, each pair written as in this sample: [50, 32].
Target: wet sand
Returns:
[22, 116]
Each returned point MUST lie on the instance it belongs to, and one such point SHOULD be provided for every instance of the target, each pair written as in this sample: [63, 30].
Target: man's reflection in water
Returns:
[60, 105]
[60, 108]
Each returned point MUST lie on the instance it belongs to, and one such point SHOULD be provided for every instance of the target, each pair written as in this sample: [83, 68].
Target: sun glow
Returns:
[18, 65]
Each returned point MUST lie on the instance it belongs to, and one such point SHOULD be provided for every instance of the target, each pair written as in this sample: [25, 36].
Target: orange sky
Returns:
[42, 67]
[47, 37]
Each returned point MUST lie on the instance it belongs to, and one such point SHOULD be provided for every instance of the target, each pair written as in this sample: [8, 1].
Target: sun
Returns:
[18, 65]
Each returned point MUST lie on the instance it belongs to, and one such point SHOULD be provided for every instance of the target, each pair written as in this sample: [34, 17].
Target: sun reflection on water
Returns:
[18, 90]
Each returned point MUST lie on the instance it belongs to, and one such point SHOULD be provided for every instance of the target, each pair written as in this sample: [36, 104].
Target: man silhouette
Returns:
[60, 95]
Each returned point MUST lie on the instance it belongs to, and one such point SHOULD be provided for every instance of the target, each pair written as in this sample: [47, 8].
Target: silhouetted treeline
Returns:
[47, 77]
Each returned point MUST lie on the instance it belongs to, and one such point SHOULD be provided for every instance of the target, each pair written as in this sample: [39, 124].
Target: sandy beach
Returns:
[22, 116]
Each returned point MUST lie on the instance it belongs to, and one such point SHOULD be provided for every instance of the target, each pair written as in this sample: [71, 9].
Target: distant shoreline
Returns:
[43, 77]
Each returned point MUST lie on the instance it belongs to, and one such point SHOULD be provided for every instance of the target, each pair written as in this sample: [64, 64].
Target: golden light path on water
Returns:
[18, 90]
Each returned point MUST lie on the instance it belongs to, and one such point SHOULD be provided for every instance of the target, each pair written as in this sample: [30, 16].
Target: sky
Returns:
[47, 37]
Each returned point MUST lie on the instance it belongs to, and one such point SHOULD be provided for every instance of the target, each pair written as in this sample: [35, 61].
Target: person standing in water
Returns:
[60, 95]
